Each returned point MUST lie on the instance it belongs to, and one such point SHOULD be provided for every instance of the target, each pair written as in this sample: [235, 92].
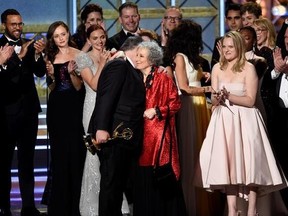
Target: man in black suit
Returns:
[5, 53]
[279, 116]
[129, 18]
[19, 112]
[120, 100]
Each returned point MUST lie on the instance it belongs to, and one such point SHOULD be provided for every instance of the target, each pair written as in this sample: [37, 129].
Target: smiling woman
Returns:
[162, 103]
[90, 67]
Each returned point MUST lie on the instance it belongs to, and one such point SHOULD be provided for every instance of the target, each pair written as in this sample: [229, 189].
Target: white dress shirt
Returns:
[283, 92]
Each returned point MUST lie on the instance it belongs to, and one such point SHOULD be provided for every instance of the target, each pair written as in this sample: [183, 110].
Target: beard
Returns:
[12, 36]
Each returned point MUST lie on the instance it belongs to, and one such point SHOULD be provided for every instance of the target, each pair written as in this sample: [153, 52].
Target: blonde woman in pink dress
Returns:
[236, 156]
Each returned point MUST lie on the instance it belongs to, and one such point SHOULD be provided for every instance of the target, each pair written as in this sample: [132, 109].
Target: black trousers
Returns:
[18, 129]
[279, 144]
[116, 167]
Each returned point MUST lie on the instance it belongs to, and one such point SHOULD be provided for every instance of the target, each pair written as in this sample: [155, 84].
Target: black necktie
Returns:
[15, 43]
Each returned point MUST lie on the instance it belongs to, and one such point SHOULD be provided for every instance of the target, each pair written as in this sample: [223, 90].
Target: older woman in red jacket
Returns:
[162, 103]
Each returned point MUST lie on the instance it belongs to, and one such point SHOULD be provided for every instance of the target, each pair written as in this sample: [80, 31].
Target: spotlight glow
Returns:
[279, 10]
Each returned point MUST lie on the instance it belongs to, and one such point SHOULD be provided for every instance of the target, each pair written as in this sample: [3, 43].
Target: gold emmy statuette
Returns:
[93, 147]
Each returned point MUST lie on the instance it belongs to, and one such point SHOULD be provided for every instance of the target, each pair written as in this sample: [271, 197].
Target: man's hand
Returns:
[5, 53]
[280, 64]
[219, 47]
[101, 136]
[39, 46]
[164, 35]
[24, 49]
[50, 69]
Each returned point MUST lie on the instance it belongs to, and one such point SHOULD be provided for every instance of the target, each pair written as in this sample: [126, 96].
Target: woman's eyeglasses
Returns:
[260, 30]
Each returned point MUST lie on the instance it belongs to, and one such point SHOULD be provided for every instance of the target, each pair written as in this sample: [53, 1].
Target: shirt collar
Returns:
[135, 33]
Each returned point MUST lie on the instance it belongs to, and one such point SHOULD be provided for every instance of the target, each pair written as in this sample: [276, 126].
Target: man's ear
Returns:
[120, 20]
[3, 26]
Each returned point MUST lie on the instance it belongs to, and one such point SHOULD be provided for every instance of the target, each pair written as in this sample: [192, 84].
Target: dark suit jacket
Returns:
[215, 55]
[206, 68]
[18, 91]
[117, 40]
[120, 98]
[279, 103]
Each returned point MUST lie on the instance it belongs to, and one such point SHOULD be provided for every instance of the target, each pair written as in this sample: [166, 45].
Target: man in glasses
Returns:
[19, 111]
[172, 18]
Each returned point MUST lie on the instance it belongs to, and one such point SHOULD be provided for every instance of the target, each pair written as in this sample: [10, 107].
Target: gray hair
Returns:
[131, 43]
[155, 55]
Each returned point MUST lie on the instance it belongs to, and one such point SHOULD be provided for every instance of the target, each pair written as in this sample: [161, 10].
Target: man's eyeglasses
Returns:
[170, 18]
[14, 25]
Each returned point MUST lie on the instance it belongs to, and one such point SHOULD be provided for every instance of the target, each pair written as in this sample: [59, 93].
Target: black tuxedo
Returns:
[19, 110]
[215, 54]
[118, 39]
[279, 134]
[120, 98]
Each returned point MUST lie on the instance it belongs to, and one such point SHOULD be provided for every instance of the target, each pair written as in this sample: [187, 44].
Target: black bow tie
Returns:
[130, 34]
[15, 43]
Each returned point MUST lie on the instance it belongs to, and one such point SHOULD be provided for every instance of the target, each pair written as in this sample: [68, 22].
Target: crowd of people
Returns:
[149, 104]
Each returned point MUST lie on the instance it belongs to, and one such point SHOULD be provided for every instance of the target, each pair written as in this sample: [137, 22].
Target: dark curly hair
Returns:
[251, 7]
[186, 39]
[89, 9]
[81, 31]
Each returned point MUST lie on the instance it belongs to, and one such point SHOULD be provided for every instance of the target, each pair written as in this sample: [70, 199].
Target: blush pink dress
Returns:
[237, 151]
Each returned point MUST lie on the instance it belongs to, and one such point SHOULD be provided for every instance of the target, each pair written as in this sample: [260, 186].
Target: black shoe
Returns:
[5, 212]
[31, 212]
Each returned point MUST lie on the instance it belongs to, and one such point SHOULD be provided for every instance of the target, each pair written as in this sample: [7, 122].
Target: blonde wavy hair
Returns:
[239, 45]
[266, 24]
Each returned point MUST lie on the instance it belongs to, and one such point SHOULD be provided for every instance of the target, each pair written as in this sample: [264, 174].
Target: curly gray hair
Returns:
[155, 55]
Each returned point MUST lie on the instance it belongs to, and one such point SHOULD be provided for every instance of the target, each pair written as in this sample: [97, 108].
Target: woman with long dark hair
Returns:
[64, 122]
[183, 49]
